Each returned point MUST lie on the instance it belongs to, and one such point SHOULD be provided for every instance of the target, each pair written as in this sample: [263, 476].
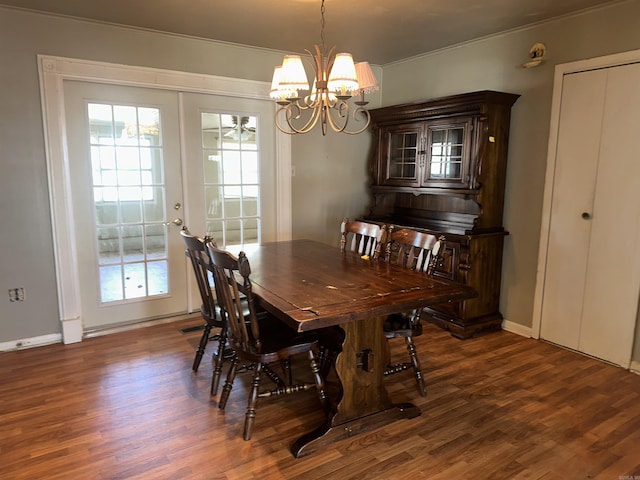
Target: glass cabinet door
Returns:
[403, 155]
[448, 154]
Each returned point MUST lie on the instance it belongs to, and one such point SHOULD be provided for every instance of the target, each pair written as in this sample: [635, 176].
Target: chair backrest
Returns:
[362, 237]
[197, 253]
[228, 272]
[415, 250]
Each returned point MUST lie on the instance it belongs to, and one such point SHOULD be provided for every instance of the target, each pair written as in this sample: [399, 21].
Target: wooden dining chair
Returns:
[199, 256]
[416, 251]
[362, 237]
[257, 341]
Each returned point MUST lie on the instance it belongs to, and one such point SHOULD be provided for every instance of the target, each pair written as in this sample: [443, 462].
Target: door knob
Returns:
[177, 222]
[586, 215]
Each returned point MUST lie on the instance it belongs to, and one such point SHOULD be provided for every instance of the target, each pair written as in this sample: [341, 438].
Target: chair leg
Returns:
[416, 366]
[218, 361]
[325, 360]
[319, 380]
[228, 384]
[201, 347]
[250, 416]
[286, 371]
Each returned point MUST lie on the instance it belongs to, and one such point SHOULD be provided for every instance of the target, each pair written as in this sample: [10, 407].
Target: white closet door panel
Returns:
[573, 193]
[613, 281]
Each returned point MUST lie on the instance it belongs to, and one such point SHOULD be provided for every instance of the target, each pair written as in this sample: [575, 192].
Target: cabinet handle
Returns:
[586, 215]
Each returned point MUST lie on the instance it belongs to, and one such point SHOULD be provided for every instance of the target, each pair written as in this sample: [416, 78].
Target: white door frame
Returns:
[53, 71]
[560, 71]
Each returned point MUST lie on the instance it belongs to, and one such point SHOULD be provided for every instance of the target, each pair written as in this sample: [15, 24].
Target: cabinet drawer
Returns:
[451, 310]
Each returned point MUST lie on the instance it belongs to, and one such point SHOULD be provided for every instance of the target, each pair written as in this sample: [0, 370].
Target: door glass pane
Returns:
[129, 200]
[446, 153]
[132, 244]
[402, 155]
[157, 277]
[251, 230]
[213, 200]
[231, 177]
[111, 285]
[135, 284]
[156, 241]
[154, 204]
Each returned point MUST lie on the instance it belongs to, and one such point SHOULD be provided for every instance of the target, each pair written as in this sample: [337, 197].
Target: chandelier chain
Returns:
[322, 25]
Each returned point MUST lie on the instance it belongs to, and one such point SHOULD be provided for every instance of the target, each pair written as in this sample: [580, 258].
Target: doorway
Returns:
[589, 282]
[116, 213]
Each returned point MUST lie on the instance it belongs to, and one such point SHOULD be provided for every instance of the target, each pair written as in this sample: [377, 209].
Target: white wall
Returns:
[493, 64]
[329, 185]
[26, 250]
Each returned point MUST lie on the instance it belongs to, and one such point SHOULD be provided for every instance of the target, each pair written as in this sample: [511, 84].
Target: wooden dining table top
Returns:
[310, 285]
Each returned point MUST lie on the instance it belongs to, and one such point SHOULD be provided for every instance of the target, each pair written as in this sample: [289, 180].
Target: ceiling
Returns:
[374, 30]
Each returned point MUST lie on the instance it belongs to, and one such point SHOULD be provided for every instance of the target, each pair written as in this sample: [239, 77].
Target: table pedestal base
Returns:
[327, 434]
[364, 403]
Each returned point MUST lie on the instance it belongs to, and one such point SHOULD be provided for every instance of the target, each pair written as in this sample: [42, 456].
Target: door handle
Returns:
[177, 222]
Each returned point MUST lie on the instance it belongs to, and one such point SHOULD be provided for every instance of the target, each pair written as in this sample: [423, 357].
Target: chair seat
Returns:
[276, 336]
[399, 325]
[279, 345]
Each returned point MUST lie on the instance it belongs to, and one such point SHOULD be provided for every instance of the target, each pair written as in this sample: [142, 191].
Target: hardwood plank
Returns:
[127, 405]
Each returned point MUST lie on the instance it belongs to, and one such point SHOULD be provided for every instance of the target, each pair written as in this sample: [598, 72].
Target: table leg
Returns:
[364, 404]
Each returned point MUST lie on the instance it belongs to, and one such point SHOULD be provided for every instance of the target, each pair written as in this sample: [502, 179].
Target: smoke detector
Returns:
[536, 54]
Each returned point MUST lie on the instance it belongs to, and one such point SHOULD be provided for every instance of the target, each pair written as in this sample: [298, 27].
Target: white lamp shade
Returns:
[275, 82]
[343, 78]
[367, 81]
[292, 75]
[276, 92]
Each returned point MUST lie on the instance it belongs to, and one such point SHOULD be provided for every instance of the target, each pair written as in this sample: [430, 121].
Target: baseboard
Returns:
[127, 326]
[516, 328]
[31, 342]
[72, 332]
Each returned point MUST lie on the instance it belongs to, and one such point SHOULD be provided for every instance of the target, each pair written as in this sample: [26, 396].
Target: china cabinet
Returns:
[440, 166]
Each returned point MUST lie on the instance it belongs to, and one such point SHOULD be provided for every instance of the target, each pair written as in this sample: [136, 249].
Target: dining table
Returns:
[310, 285]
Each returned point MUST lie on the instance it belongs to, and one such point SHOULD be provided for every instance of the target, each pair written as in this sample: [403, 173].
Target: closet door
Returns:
[592, 275]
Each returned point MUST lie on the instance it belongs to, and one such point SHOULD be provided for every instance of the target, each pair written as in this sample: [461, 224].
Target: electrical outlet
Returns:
[16, 294]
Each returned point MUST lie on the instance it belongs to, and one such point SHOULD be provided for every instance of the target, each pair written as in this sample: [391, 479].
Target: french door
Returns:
[92, 224]
[132, 191]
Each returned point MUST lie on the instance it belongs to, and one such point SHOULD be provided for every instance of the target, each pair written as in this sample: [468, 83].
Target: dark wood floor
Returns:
[127, 406]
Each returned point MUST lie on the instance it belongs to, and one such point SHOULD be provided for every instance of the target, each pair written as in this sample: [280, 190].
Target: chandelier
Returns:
[337, 80]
